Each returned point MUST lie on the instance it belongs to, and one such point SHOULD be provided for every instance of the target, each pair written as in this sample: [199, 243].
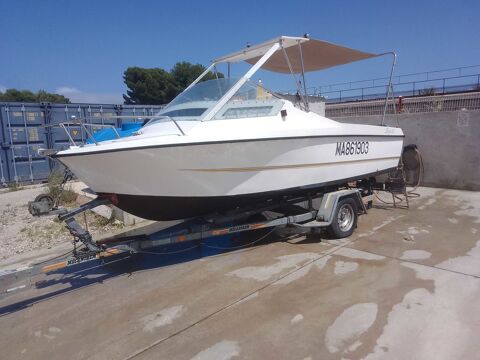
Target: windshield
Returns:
[251, 100]
[193, 102]
[210, 90]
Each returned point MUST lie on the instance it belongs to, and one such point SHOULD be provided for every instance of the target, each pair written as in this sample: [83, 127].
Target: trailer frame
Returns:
[98, 252]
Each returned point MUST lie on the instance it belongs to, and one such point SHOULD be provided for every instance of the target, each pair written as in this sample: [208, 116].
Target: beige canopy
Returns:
[317, 55]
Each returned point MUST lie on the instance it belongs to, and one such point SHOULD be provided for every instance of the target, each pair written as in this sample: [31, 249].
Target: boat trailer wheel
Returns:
[42, 204]
[345, 219]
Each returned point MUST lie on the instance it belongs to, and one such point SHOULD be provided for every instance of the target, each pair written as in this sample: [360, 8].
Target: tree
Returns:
[43, 96]
[156, 86]
[15, 95]
[148, 86]
[185, 73]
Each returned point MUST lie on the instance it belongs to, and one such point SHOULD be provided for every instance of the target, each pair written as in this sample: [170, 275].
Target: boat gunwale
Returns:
[85, 153]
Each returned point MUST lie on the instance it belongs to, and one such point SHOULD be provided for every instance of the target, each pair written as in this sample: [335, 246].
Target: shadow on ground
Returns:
[82, 275]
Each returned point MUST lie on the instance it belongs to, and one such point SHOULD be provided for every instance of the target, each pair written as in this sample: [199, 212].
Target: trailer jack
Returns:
[77, 231]
[44, 206]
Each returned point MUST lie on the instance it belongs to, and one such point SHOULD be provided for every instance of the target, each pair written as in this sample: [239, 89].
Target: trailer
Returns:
[335, 210]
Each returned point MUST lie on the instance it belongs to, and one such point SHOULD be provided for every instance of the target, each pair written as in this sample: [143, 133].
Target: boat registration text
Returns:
[351, 148]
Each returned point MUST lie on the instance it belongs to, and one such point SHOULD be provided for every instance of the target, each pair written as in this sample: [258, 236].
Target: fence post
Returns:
[101, 115]
[27, 140]
[49, 131]
[400, 104]
[3, 180]
[118, 110]
[80, 116]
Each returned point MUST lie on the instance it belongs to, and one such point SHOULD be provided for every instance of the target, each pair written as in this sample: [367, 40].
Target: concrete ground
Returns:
[404, 286]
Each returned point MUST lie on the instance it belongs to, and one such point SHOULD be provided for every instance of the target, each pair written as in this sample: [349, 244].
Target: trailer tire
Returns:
[42, 204]
[344, 219]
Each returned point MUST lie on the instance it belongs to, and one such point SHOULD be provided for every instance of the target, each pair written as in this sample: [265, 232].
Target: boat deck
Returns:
[405, 285]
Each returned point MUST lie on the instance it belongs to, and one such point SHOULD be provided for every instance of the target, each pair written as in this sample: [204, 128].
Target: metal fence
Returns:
[406, 105]
[23, 131]
[461, 79]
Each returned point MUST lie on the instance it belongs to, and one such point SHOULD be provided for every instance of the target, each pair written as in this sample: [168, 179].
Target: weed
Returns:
[66, 195]
[96, 221]
[14, 186]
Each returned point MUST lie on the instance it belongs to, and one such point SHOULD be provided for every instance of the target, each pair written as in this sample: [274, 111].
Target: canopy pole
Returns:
[389, 86]
[212, 65]
[216, 77]
[297, 83]
[307, 107]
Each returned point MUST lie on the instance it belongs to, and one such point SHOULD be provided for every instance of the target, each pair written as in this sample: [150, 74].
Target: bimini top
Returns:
[317, 55]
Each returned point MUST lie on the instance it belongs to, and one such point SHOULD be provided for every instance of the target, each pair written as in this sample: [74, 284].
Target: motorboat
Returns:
[229, 142]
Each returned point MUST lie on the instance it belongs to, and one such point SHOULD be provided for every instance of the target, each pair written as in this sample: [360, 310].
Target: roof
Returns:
[317, 55]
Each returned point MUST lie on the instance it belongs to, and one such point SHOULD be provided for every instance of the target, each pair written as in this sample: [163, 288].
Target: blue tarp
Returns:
[127, 129]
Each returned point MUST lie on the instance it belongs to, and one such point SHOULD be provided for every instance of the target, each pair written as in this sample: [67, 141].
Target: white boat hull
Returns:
[194, 179]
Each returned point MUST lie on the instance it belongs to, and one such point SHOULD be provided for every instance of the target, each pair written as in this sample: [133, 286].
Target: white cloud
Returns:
[66, 89]
[78, 96]
[2, 88]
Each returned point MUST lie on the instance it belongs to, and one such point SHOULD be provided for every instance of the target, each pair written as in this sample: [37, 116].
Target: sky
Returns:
[82, 48]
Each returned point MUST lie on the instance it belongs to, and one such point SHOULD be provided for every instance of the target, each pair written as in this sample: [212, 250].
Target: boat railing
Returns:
[163, 117]
[150, 118]
[78, 122]
[85, 126]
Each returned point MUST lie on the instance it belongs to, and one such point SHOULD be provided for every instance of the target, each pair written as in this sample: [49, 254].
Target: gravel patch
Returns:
[20, 232]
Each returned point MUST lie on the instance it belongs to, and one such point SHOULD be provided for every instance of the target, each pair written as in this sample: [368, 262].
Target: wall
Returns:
[448, 141]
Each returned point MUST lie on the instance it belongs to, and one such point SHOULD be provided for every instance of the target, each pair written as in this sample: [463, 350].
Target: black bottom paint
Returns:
[163, 208]
[178, 207]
